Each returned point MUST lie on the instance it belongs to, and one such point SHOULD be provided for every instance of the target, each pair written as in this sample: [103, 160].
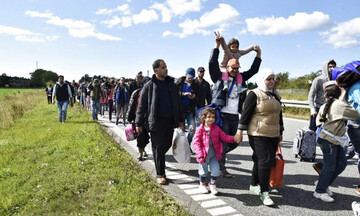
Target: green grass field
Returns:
[14, 91]
[48, 168]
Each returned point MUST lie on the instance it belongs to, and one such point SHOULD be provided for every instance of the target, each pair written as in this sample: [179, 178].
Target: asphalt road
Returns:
[295, 197]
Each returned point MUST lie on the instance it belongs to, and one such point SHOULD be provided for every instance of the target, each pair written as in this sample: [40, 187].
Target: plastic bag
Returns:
[182, 152]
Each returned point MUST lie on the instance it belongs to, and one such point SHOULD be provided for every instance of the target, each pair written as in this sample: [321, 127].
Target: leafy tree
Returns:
[40, 77]
[4, 79]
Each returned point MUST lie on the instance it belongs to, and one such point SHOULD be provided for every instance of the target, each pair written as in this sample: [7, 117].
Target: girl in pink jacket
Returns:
[208, 148]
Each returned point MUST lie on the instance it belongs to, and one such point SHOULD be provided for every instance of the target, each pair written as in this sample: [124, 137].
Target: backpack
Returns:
[213, 106]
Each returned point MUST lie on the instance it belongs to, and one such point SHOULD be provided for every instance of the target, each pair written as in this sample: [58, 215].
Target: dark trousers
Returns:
[264, 149]
[312, 125]
[230, 126]
[161, 141]
[111, 103]
[49, 99]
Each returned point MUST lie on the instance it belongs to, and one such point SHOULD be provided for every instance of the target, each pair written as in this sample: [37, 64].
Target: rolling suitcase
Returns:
[305, 144]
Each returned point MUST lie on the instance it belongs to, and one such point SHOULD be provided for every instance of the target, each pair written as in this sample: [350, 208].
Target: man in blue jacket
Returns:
[231, 101]
[160, 110]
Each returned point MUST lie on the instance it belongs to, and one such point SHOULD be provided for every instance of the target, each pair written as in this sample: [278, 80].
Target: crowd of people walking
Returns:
[160, 103]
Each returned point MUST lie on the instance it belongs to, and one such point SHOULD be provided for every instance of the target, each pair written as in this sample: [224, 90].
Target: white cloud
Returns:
[219, 17]
[343, 35]
[37, 14]
[280, 25]
[123, 9]
[76, 28]
[173, 8]
[145, 16]
[25, 35]
[112, 22]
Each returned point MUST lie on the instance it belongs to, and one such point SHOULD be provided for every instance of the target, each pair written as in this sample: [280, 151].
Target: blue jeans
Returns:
[95, 108]
[334, 164]
[230, 126]
[213, 162]
[62, 107]
[102, 108]
[190, 119]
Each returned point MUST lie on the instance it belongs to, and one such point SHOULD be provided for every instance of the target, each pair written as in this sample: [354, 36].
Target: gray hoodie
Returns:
[316, 95]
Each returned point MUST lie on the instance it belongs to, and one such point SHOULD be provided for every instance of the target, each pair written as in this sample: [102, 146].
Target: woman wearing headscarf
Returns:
[262, 118]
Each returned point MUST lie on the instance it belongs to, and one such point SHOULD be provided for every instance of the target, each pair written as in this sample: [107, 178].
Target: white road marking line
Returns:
[221, 211]
[212, 203]
[180, 176]
[187, 186]
[193, 191]
[203, 197]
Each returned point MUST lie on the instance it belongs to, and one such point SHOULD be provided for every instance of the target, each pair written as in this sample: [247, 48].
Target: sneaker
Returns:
[317, 168]
[145, 154]
[213, 188]
[255, 189]
[265, 198]
[323, 196]
[328, 191]
[202, 188]
[161, 180]
[356, 208]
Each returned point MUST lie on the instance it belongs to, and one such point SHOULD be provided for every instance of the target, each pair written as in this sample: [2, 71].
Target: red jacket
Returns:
[201, 142]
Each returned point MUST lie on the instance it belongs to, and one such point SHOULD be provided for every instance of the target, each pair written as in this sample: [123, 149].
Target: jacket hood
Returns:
[325, 71]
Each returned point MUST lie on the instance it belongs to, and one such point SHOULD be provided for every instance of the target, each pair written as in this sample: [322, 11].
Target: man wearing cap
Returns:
[204, 94]
[189, 91]
[95, 95]
[230, 102]
[62, 93]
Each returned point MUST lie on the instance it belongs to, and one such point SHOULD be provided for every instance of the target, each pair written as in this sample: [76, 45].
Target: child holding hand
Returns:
[208, 148]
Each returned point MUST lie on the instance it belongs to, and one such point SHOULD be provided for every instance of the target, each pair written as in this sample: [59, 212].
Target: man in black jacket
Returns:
[204, 93]
[230, 101]
[160, 111]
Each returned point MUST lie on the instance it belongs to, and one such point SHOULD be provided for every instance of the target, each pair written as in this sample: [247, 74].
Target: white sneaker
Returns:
[265, 198]
[256, 189]
[213, 189]
[328, 191]
[202, 188]
[323, 196]
[356, 208]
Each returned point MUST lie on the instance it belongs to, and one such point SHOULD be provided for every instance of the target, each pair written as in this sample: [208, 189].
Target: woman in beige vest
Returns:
[262, 119]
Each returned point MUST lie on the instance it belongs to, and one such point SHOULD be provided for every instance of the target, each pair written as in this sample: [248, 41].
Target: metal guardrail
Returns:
[296, 103]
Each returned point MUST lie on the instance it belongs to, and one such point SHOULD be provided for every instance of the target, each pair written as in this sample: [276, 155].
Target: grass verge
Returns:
[48, 168]
[297, 113]
[14, 91]
[14, 105]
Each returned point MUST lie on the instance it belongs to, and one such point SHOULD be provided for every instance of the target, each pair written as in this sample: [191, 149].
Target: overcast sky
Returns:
[121, 37]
